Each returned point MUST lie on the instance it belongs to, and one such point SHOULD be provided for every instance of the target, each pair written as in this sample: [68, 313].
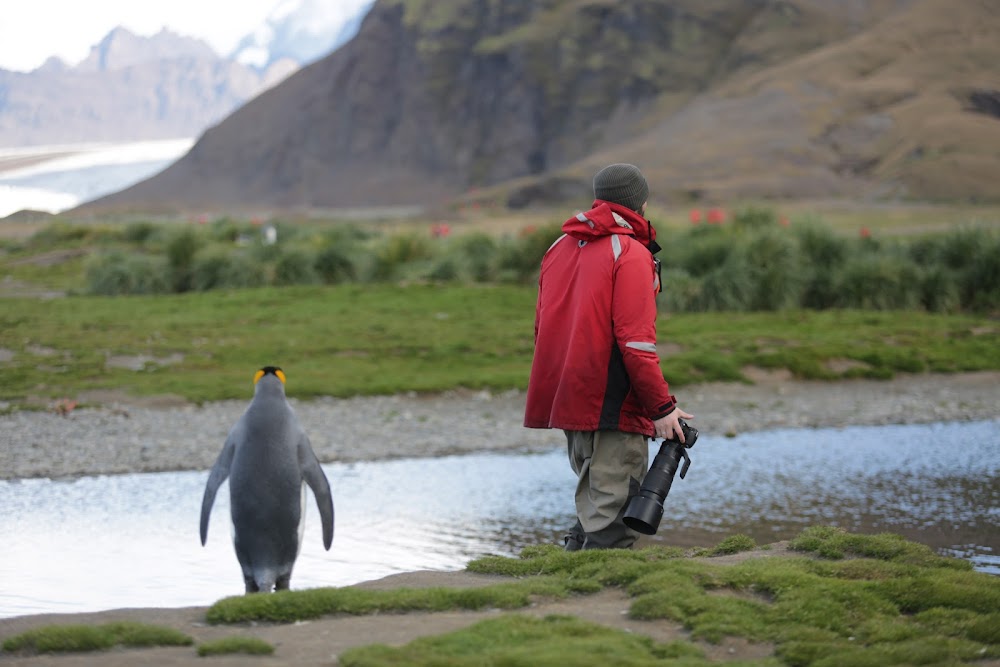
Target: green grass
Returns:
[733, 544]
[381, 339]
[848, 599]
[331, 341]
[835, 544]
[521, 640]
[81, 638]
[291, 606]
[226, 645]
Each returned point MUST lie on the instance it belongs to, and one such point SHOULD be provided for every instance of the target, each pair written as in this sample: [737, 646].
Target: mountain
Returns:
[301, 31]
[128, 88]
[121, 49]
[523, 102]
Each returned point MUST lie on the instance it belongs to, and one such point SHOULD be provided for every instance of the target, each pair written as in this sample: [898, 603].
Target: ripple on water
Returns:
[132, 540]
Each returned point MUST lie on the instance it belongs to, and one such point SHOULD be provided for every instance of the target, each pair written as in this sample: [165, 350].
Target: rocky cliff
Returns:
[521, 102]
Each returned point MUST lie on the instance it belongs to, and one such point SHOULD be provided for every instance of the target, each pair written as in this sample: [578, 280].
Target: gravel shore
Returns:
[131, 435]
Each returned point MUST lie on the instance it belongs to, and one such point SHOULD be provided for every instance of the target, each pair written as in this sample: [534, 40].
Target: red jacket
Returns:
[595, 365]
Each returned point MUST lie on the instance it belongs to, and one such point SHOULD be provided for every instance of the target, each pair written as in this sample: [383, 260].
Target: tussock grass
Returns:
[757, 263]
[165, 258]
[82, 638]
[227, 645]
[849, 599]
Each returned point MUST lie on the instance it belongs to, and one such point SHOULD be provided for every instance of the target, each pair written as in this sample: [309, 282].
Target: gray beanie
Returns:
[622, 184]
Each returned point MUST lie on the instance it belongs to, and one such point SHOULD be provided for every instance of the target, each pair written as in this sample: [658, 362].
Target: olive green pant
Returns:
[609, 466]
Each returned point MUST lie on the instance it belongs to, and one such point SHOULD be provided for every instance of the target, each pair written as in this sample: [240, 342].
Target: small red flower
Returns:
[716, 216]
[440, 230]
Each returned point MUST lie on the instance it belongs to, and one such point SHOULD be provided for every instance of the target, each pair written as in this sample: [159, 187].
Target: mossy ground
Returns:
[827, 597]
[847, 599]
[226, 645]
[81, 638]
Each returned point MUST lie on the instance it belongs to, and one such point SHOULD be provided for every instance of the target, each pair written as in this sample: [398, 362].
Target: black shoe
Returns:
[573, 542]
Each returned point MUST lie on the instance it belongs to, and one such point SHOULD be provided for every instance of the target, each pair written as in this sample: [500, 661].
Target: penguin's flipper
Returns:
[220, 471]
[314, 476]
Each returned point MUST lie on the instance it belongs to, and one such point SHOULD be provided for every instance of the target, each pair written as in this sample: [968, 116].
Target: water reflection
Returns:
[132, 540]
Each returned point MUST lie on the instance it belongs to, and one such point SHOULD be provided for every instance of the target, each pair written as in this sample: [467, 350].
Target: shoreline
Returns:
[160, 434]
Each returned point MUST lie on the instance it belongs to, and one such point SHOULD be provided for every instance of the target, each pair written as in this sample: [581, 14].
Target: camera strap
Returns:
[653, 247]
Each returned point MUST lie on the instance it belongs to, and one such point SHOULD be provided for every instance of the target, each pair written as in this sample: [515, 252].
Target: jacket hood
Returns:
[606, 218]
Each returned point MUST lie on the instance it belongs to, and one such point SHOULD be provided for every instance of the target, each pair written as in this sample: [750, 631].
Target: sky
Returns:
[33, 30]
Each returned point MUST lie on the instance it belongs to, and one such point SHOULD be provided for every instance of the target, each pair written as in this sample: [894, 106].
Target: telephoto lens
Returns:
[646, 508]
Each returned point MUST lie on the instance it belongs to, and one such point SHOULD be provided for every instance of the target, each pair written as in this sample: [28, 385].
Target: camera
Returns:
[646, 508]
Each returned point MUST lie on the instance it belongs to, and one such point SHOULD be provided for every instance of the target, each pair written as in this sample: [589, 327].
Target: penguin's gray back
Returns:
[266, 489]
[268, 440]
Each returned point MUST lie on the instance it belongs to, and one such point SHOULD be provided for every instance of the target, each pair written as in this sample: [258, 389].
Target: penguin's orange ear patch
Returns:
[273, 370]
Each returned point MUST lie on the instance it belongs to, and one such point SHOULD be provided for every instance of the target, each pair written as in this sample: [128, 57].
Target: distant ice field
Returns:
[59, 177]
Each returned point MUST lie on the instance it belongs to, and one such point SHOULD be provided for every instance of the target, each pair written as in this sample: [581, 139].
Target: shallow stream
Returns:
[106, 542]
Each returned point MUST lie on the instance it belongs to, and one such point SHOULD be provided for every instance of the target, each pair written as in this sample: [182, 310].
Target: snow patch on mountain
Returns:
[301, 30]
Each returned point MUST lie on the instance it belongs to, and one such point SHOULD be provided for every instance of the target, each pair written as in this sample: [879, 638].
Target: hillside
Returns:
[908, 108]
[521, 103]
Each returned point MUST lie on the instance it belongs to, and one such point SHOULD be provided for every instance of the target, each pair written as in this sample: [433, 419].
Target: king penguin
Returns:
[269, 461]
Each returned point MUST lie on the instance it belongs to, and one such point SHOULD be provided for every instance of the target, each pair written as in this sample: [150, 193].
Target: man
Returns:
[596, 374]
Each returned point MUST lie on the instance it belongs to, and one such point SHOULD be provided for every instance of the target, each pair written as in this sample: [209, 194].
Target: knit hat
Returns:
[622, 184]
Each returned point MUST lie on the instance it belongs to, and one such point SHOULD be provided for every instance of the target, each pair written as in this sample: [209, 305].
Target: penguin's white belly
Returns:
[302, 519]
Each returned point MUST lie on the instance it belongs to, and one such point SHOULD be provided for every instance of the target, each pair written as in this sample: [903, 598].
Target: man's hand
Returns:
[668, 428]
